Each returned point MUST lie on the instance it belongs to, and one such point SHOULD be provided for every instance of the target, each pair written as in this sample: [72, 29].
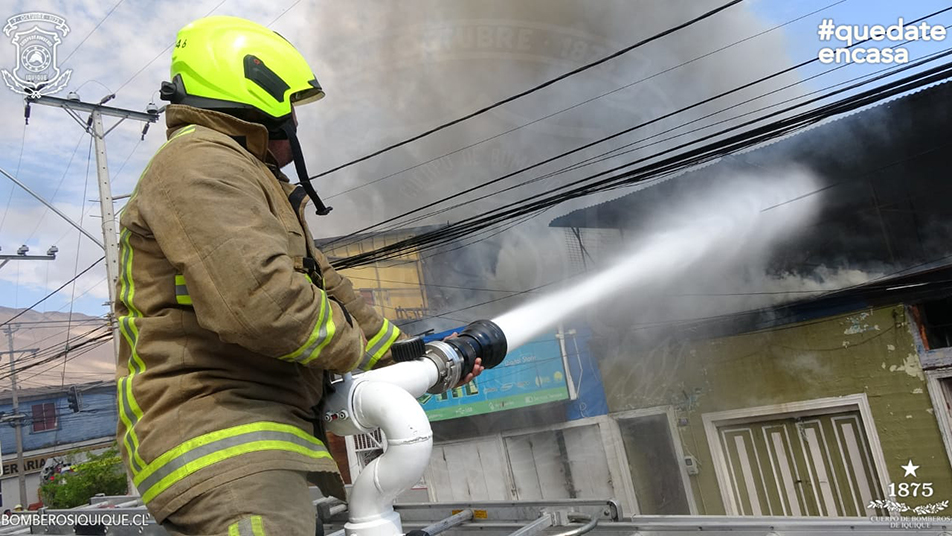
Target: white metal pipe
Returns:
[414, 377]
[396, 411]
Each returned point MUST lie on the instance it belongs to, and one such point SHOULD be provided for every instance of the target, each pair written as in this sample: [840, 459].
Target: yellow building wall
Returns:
[395, 287]
[870, 351]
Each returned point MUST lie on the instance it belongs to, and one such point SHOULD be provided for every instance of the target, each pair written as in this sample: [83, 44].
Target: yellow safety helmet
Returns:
[233, 64]
[242, 68]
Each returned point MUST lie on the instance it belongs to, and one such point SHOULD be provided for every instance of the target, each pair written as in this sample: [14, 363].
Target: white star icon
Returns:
[910, 469]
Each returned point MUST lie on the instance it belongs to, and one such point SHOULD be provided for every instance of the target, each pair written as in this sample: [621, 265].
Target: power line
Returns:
[866, 285]
[69, 355]
[603, 156]
[51, 294]
[283, 13]
[60, 354]
[164, 50]
[85, 292]
[91, 32]
[41, 324]
[722, 132]
[124, 162]
[584, 102]
[100, 321]
[46, 351]
[678, 162]
[615, 151]
[52, 349]
[604, 139]
[13, 187]
[58, 185]
[532, 89]
[415, 285]
[72, 299]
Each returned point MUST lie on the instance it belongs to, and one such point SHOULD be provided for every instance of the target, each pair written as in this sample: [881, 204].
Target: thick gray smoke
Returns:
[401, 70]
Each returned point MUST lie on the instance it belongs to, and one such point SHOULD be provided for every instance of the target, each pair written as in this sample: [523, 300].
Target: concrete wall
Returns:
[869, 352]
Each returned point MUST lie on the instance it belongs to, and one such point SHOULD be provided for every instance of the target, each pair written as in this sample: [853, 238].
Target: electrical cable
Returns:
[617, 168]
[123, 165]
[614, 153]
[56, 357]
[586, 101]
[85, 292]
[531, 90]
[73, 355]
[56, 348]
[283, 13]
[51, 294]
[42, 353]
[867, 284]
[416, 285]
[678, 162]
[91, 32]
[13, 187]
[159, 55]
[72, 299]
[609, 137]
[58, 186]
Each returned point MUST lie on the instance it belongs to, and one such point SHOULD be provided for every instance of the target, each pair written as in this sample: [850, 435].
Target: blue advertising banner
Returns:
[531, 374]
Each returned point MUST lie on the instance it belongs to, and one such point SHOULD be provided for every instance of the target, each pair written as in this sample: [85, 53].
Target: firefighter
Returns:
[230, 318]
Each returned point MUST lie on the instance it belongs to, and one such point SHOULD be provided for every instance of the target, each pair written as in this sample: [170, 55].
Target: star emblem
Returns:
[910, 469]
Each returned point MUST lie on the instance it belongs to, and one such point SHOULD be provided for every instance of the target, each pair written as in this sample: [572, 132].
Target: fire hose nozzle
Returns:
[455, 357]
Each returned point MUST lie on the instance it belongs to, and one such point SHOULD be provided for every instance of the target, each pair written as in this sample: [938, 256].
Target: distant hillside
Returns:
[47, 332]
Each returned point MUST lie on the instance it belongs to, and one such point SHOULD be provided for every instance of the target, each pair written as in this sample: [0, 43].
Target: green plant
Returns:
[100, 473]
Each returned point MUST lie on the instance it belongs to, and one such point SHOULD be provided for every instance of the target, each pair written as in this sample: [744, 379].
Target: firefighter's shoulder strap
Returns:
[297, 198]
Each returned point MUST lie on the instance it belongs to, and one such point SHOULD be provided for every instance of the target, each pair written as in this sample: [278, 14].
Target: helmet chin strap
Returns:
[290, 130]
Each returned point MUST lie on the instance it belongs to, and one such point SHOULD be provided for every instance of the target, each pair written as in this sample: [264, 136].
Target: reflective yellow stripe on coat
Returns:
[129, 411]
[182, 296]
[249, 526]
[320, 336]
[209, 449]
[378, 345]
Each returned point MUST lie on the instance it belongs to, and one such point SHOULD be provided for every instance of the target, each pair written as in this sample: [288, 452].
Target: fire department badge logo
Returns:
[36, 37]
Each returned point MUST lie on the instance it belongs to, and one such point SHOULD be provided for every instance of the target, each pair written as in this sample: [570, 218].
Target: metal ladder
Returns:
[565, 517]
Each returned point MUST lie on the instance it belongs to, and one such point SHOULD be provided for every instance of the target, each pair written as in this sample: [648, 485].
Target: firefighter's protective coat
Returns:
[226, 326]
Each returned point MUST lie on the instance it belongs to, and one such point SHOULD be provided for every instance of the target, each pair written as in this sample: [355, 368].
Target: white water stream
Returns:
[734, 225]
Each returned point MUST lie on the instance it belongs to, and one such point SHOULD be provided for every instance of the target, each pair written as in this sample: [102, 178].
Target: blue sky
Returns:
[55, 152]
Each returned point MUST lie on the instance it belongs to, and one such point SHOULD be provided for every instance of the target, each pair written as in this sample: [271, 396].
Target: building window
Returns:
[44, 417]
[368, 296]
[937, 323]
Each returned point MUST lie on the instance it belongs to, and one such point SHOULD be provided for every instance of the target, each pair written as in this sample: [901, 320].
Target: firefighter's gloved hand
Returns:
[478, 368]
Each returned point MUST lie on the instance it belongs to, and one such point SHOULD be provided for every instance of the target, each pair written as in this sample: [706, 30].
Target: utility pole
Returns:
[94, 126]
[17, 417]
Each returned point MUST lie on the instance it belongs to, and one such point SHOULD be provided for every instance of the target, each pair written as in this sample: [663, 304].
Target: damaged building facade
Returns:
[812, 402]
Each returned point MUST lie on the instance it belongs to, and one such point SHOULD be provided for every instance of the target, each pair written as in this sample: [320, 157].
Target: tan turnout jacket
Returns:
[226, 327]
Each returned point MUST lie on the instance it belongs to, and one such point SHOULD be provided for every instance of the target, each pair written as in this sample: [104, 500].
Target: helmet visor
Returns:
[308, 95]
